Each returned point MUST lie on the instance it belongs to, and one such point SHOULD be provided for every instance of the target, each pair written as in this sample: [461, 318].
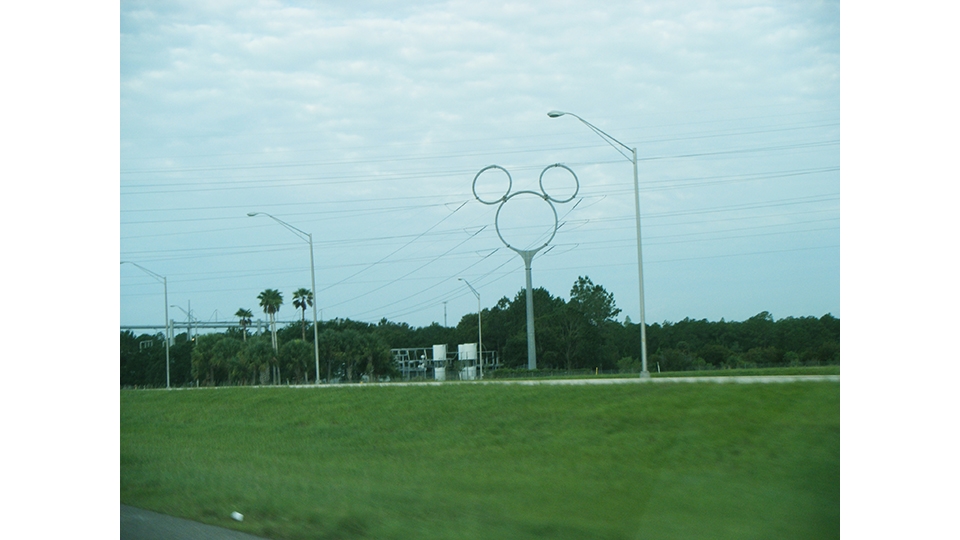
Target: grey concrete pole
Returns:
[644, 373]
[167, 323]
[531, 336]
[166, 315]
[643, 318]
[479, 327]
[313, 283]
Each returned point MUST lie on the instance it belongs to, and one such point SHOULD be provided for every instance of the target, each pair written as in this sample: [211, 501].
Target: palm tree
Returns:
[246, 317]
[302, 298]
[270, 301]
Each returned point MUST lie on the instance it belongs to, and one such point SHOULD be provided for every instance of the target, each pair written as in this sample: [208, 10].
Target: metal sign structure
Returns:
[527, 254]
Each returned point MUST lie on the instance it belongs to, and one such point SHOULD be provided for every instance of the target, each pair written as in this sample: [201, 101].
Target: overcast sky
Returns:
[365, 123]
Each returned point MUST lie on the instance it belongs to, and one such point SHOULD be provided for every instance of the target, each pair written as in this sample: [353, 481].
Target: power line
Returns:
[668, 185]
[234, 184]
[472, 142]
[205, 251]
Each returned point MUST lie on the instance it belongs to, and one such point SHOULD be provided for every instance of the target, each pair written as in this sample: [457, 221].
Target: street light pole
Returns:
[313, 284]
[636, 191]
[479, 327]
[166, 313]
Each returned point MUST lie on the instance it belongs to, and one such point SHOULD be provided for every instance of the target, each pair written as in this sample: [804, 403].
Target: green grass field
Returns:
[491, 461]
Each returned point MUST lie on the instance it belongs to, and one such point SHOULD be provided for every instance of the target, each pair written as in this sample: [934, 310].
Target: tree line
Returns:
[576, 334]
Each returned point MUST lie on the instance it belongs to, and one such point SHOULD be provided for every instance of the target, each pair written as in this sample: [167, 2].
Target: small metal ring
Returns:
[575, 191]
[509, 184]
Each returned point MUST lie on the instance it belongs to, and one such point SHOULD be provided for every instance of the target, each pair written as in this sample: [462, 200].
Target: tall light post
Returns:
[479, 328]
[313, 282]
[527, 254]
[636, 191]
[166, 313]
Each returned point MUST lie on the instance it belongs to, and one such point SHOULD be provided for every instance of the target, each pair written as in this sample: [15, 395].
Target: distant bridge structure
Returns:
[259, 325]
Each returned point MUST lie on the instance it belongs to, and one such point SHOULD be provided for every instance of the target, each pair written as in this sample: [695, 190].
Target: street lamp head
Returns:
[251, 214]
[555, 114]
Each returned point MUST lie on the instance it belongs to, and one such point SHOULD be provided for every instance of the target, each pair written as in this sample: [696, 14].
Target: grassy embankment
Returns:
[491, 461]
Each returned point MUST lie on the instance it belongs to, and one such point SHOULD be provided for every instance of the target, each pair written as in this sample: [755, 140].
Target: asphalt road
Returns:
[137, 524]
[750, 379]
[741, 379]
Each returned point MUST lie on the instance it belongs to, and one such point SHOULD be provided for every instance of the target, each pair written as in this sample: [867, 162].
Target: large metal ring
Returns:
[546, 199]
